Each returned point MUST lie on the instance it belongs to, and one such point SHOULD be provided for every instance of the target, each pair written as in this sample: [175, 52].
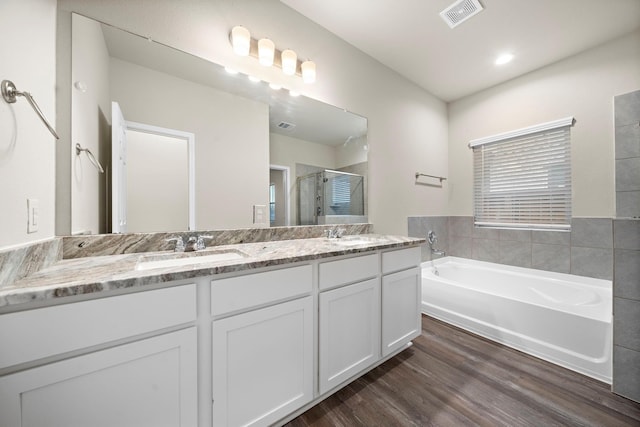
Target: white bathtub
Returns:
[561, 318]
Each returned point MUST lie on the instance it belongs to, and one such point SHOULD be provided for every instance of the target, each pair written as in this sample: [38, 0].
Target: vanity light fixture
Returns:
[289, 62]
[241, 40]
[268, 55]
[266, 51]
[308, 71]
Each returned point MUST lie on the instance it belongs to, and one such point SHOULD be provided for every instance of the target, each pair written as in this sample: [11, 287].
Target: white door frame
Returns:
[287, 211]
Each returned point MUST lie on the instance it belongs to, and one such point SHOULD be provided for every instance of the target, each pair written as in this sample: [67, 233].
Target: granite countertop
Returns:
[93, 275]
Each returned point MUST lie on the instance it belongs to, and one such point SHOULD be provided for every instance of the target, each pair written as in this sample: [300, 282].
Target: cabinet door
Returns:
[349, 331]
[401, 320]
[152, 382]
[263, 364]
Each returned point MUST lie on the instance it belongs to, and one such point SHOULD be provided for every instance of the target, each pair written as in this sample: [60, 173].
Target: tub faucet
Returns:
[433, 239]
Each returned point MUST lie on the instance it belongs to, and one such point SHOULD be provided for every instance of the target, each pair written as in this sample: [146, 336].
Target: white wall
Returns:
[225, 127]
[407, 125]
[91, 112]
[582, 86]
[354, 151]
[27, 149]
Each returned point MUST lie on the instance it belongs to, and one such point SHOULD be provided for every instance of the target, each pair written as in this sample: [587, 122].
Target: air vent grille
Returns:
[460, 11]
[286, 125]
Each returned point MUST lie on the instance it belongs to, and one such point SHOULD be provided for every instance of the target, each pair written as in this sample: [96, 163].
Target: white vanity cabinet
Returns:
[401, 292]
[87, 366]
[349, 318]
[262, 355]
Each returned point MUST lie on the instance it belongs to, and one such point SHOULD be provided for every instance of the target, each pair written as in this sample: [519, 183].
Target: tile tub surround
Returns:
[627, 154]
[17, 263]
[587, 250]
[115, 244]
[626, 308]
[94, 275]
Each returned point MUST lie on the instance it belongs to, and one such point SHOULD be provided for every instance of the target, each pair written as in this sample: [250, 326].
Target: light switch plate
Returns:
[33, 213]
[260, 214]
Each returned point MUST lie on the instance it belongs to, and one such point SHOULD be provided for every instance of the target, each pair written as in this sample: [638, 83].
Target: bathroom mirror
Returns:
[252, 142]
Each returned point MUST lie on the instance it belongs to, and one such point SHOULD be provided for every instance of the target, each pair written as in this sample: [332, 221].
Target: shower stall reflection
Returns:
[330, 197]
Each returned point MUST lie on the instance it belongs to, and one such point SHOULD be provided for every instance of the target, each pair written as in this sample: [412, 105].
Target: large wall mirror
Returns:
[252, 155]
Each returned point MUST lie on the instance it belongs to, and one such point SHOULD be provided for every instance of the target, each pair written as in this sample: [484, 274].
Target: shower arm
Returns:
[9, 93]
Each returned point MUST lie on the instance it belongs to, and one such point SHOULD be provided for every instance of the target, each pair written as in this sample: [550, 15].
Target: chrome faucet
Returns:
[433, 239]
[179, 243]
[196, 243]
[335, 233]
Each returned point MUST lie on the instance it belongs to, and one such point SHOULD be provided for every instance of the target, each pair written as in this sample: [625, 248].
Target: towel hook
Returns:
[9, 93]
[91, 157]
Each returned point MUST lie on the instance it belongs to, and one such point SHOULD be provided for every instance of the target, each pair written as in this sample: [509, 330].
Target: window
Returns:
[272, 202]
[341, 194]
[522, 179]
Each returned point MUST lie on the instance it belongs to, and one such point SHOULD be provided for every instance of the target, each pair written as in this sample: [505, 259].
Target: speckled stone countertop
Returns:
[93, 275]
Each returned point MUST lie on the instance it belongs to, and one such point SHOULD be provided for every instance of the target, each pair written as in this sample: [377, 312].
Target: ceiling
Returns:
[410, 37]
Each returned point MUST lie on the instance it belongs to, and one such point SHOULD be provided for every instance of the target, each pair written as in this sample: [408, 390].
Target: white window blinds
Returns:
[522, 179]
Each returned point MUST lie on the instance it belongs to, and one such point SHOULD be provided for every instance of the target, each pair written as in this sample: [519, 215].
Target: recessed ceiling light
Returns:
[294, 93]
[275, 86]
[254, 79]
[230, 70]
[504, 58]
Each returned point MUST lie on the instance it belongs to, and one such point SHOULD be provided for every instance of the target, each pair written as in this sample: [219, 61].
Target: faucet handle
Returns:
[340, 232]
[200, 242]
[179, 243]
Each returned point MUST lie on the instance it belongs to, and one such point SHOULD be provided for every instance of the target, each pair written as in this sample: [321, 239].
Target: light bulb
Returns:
[308, 71]
[241, 40]
[503, 59]
[266, 49]
[289, 62]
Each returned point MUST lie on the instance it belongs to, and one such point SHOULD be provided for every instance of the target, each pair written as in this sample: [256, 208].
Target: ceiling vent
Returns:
[286, 126]
[460, 11]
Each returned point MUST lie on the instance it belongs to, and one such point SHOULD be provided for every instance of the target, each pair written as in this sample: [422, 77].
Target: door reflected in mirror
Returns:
[252, 142]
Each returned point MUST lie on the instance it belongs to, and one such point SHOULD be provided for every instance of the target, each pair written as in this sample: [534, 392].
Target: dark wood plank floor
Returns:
[454, 378]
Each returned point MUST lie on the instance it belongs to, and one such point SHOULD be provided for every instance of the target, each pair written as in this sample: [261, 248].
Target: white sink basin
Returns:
[354, 240]
[183, 260]
[351, 242]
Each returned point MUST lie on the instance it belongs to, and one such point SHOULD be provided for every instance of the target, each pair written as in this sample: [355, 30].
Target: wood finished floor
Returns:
[454, 378]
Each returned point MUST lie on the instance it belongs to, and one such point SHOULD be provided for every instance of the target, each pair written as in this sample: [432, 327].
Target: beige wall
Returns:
[91, 111]
[27, 149]
[225, 127]
[582, 86]
[407, 125]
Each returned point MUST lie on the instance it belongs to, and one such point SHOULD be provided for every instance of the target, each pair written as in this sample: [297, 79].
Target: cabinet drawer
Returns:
[400, 259]
[349, 270]
[35, 334]
[243, 292]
